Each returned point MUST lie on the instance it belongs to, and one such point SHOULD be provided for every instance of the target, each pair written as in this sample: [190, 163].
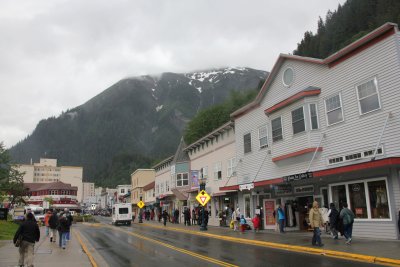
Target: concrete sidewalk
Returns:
[301, 242]
[47, 254]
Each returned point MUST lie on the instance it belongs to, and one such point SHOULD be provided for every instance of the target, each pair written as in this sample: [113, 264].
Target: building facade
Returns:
[47, 171]
[88, 192]
[162, 184]
[139, 179]
[124, 193]
[326, 130]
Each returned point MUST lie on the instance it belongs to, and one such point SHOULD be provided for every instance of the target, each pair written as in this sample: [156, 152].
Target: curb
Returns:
[299, 249]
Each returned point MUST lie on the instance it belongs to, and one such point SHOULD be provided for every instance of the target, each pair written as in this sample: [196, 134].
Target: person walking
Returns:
[236, 219]
[316, 222]
[186, 215]
[53, 223]
[256, 223]
[281, 218]
[334, 220]
[243, 223]
[348, 219]
[193, 216]
[176, 216]
[165, 217]
[63, 229]
[46, 222]
[29, 233]
[69, 219]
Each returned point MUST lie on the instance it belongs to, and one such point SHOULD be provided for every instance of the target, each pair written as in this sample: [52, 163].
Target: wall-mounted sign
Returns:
[299, 176]
[304, 189]
[283, 189]
[246, 186]
[195, 179]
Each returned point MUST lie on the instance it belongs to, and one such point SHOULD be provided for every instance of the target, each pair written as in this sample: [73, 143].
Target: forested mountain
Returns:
[132, 124]
[352, 20]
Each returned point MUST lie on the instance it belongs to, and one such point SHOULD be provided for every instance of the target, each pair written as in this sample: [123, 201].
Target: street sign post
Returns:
[203, 197]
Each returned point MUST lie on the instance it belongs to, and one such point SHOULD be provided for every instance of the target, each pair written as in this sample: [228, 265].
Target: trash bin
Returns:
[3, 213]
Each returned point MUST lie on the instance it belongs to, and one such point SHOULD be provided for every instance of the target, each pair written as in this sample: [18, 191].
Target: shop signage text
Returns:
[246, 186]
[299, 176]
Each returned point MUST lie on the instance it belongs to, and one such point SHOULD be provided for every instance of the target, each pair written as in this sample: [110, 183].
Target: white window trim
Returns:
[341, 106]
[365, 181]
[309, 114]
[251, 146]
[283, 77]
[272, 132]
[304, 120]
[217, 168]
[377, 93]
[231, 165]
[266, 135]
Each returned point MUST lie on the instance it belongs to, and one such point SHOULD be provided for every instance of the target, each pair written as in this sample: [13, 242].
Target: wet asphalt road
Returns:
[143, 246]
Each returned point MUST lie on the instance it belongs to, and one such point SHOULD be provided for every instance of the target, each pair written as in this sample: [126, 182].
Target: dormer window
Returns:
[288, 77]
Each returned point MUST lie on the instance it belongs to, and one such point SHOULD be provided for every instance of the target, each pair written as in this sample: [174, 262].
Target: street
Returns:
[140, 245]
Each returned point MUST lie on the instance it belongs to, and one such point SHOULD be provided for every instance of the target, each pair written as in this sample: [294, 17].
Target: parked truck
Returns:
[122, 214]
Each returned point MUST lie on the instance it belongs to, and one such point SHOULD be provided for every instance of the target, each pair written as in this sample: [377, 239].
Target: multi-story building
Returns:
[47, 171]
[326, 130]
[58, 194]
[149, 195]
[88, 192]
[139, 179]
[124, 193]
[213, 158]
[162, 184]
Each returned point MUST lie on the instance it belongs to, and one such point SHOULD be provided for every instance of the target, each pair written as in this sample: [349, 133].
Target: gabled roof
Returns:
[181, 155]
[364, 42]
[49, 186]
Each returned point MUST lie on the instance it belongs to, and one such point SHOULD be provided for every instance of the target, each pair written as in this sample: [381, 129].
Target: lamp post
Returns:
[203, 226]
[140, 213]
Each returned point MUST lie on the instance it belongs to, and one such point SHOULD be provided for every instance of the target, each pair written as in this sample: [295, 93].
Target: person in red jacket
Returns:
[256, 223]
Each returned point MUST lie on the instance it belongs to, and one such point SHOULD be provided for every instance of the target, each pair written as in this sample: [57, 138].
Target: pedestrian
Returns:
[53, 223]
[28, 232]
[186, 215]
[256, 223]
[236, 218]
[152, 215]
[165, 217]
[193, 216]
[206, 215]
[63, 229]
[69, 219]
[316, 222]
[243, 224]
[159, 215]
[176, 216]
[334, 220]
[281, 218]
[348, 219]
[46, 222]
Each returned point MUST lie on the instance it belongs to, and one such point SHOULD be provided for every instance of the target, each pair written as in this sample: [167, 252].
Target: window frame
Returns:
[217, 170]
[244, 143]
[375, 81]
[341, 107]
[272, 130]
[230, 169]
[367, 198]
[181, 174]
[283, 77]
[310, 116]
[304, 120]
[261, 137]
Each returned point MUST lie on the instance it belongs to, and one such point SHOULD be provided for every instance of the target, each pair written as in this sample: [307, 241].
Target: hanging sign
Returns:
[203, 197]
[299, 176]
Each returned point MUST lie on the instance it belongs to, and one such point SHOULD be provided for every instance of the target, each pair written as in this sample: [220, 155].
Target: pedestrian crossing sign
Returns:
[140, 204]
[203, 197]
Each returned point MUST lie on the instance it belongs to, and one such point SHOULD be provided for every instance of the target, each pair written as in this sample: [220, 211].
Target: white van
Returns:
[122, 213]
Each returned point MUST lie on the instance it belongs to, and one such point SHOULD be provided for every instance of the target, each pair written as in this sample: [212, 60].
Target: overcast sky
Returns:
[57, 54]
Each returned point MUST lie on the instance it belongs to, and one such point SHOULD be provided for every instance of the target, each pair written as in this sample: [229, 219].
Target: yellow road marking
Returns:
[92, 261]
[205, 258]
[301, 249]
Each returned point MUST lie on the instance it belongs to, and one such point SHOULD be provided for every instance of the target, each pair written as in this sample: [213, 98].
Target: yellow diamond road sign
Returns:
[140, 204]
[203, 197]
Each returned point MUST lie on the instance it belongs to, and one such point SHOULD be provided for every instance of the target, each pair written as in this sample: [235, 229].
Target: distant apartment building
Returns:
[88, 192]
[47, 171]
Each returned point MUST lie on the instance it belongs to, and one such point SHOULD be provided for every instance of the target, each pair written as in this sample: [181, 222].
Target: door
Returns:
[269, 208]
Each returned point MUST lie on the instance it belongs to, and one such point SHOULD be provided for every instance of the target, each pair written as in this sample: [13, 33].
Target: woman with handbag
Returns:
[27, 234]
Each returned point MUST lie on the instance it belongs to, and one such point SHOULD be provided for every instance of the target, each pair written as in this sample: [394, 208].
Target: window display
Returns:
[378, 200]
[358, 202]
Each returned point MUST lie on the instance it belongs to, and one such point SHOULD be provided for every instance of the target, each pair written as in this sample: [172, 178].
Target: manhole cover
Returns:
[43, 251]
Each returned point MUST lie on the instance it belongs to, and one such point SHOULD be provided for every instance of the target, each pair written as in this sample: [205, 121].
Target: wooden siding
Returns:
[375, 230]
[356, 133]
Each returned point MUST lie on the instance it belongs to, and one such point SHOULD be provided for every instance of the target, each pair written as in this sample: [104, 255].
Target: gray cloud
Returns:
[56, 55]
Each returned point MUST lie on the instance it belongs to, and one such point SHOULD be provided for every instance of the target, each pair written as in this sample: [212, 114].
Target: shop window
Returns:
[378, 198]
[246, 206]
[358, 202]
[339, 195]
